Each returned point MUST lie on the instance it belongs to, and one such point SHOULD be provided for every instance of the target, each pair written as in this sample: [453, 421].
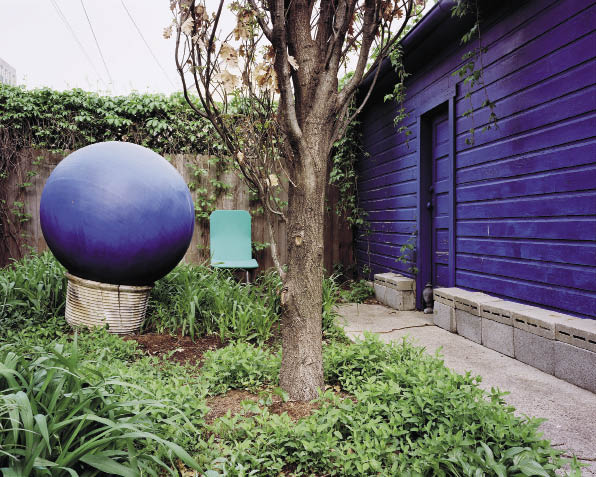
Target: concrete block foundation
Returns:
[579, 333]
[534, 350]
[468, 325]
[395, 291]
[444, 317]
[555, 343]
[498, 336]
[575, 365]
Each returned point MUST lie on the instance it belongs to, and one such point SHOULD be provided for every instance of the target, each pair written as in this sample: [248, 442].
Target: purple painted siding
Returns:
[525, 193]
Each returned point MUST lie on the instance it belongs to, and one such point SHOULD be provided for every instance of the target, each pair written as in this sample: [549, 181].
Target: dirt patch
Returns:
[232, 401]
[180, 349]
[296, 410]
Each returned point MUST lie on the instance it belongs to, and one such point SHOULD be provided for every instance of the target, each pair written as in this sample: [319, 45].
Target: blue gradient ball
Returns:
[118, 213]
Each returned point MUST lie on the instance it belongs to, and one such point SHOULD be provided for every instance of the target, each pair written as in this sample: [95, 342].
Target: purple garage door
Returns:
[439, 205]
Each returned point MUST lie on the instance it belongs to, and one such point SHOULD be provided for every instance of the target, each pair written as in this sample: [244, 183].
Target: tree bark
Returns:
[301, 374]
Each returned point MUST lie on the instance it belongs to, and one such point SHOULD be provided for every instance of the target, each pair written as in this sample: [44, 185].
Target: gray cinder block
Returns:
[444, 296]
[577, 332]
[575, 365]
[468, 325]
[444, 317]
[498, 336]
[447, 296]
[408, 300]
[534, 350]
[399, 299]
[380, 292]
[471, 301]
[538, 321]
[395, 291]
[393, 298]
[500, 311]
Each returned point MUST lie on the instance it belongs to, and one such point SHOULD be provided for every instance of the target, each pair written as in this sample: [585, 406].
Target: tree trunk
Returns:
[301, 372]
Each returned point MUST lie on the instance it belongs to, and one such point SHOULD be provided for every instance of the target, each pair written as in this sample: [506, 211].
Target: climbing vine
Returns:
[472, 71]
[206, 189]
[346, 153]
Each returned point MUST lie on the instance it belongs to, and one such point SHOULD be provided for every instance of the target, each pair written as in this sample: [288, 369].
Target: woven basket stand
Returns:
[93, 304]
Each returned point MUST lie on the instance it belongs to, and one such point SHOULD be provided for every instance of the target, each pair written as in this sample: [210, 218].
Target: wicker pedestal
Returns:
[93, 304]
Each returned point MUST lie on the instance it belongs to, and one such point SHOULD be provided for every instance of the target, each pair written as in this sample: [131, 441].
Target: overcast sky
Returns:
[35, 40]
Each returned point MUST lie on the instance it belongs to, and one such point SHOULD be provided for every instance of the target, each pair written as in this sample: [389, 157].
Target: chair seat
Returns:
[245, 264]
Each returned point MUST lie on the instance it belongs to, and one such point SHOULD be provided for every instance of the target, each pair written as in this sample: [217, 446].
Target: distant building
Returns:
[8, 75]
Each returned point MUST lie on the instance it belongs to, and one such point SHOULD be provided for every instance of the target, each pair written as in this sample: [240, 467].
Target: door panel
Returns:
[439, 194]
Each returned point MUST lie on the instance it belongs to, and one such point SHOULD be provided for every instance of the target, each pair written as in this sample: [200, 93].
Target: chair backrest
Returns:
[230, 235]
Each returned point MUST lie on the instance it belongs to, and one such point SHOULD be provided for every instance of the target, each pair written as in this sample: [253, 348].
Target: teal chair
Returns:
[230, 240]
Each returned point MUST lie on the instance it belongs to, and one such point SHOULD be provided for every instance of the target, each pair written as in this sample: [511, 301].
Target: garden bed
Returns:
[162, 402]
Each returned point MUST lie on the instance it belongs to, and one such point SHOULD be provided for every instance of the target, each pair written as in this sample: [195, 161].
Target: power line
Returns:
[97, 43]
[69, 28]
[147, 44]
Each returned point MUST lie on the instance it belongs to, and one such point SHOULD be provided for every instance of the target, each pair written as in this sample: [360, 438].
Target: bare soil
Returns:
[182, 348]
[232, 401]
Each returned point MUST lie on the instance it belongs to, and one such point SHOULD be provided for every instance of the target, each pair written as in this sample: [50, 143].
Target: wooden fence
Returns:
[21, 230]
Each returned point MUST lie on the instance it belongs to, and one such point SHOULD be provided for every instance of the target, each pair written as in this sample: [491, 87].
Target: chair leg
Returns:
[247, 279]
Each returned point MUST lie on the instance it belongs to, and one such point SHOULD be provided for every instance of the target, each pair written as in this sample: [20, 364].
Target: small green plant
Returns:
[407, 254]
[18, 210]
[32, 291]
[343, 175]
[407, 414]
[259, 246]
[239, 366]
[59, 417]
[207, 190]
[198, 301]
[331, 329]
[356, 291]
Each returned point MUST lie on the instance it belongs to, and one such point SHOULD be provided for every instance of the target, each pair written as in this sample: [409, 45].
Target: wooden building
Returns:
[514, 213]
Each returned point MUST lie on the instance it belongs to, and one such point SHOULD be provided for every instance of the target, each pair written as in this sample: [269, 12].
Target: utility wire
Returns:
[69, 28]
[97, 43]
[147, 44]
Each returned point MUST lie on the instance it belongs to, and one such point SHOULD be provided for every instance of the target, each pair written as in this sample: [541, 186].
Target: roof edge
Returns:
[437, 14]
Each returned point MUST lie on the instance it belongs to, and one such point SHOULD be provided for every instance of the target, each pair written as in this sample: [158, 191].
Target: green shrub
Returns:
[49, 119]
[409, 416]
[356, 291]
[59, 416]
[239, 366]
[198, 301]
[181, 389]
[32, 292]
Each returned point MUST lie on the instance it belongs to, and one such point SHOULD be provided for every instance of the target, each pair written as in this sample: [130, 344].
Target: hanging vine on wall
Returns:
[207, 190]
[472, 71]
[346, 153]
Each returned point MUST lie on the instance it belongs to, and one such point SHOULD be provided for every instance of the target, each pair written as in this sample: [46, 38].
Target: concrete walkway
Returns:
[571, 411]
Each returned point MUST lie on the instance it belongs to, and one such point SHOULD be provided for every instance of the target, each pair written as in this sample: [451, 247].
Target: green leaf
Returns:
[531, 467]
[106, 464]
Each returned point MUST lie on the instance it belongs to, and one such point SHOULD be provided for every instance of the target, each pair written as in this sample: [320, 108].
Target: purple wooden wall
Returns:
[524, 195]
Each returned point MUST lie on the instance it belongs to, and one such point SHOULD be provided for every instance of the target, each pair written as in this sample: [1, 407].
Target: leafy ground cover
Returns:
[197, 394]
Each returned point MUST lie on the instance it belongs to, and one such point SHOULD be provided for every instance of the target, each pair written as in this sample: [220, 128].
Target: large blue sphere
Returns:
[118, 213]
